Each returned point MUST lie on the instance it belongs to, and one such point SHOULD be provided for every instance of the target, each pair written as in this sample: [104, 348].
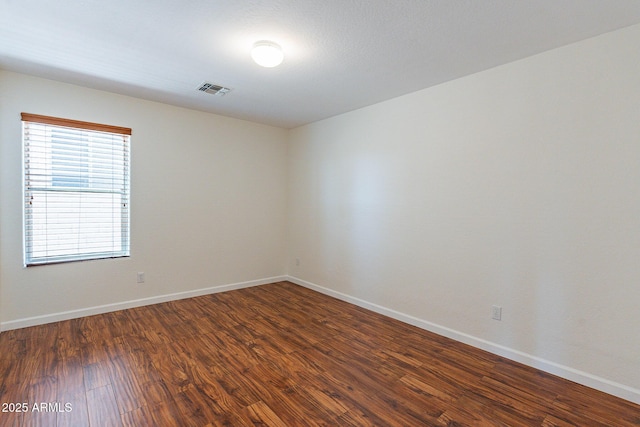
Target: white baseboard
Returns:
[90, 311]
[620, 390]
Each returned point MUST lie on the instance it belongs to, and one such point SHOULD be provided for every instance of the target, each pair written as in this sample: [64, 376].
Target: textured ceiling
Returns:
[340, 54]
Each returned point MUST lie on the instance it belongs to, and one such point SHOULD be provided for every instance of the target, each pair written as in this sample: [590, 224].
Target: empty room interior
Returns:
[421, 212]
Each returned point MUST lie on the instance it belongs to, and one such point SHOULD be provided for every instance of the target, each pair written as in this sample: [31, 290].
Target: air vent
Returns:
[213, 89]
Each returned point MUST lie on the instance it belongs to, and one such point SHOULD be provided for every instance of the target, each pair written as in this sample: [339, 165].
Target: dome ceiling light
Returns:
[267, 54]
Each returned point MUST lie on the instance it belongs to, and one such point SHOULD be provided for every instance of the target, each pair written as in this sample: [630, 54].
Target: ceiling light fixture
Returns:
[267, 54]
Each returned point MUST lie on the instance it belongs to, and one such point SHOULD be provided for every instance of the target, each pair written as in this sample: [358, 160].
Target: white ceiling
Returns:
[340, 54]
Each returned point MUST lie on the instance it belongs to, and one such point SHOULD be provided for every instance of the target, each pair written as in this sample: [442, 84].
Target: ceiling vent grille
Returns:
[213, 89]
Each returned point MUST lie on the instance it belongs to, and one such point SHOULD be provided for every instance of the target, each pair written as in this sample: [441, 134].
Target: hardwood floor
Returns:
[275, 355]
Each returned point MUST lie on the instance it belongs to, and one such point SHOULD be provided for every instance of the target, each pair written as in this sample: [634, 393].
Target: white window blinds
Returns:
[76, 190]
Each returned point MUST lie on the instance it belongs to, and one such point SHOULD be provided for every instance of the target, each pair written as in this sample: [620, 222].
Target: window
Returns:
[76, 190]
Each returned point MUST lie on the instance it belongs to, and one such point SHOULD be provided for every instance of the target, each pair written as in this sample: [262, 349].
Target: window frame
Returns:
[88, 130]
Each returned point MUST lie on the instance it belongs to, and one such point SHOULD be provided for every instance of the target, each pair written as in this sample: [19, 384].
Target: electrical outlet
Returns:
[496, 312]
[297, 262]
[140, 277]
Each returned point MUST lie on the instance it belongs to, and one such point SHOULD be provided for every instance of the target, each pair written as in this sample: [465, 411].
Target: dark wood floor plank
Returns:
[12, 419]
[102, 407]
[139, 417]
[297, 366]
[582, 401]
[142, 366]
[230, 351]
[324, 402]
[124, 381]
[275, 355]
[65, 344]
[196, 408]
[43, 401]
[236, 385]
[366, 403]
[96, 375]
[166, 413]
[75, 411]
[172, 368]
[15, 385]
[432, 393]
[71, 392]
[261, 414]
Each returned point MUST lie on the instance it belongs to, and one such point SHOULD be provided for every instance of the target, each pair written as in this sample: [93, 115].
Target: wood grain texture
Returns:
[277, 355]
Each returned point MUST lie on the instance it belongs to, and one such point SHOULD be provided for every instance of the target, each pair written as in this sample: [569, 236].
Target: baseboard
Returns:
[90, 311]
[620, 390]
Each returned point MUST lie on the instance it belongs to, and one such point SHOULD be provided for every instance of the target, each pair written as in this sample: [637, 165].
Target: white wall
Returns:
[207, 204]
[518, 186]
